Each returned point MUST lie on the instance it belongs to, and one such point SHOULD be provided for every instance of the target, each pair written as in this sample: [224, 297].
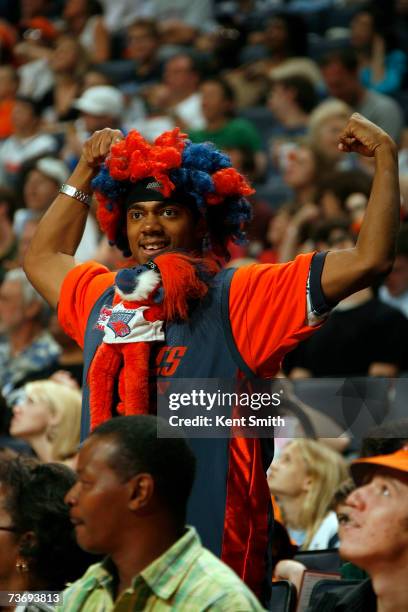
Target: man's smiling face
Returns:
[156, 227]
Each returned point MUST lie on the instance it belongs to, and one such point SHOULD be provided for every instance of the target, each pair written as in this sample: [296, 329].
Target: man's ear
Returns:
[141, 489]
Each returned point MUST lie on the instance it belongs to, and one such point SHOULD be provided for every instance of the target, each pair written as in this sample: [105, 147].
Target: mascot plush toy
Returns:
[145, 297]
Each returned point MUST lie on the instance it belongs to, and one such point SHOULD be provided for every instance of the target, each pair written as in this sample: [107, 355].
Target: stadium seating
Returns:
[327, 560]
[283, 597]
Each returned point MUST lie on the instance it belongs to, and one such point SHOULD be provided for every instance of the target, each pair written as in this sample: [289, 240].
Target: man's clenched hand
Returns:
[362, 136]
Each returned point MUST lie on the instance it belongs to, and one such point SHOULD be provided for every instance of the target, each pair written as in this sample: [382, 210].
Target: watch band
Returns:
[77, 194]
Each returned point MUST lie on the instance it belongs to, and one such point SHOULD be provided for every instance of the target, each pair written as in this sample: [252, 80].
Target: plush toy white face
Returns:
[134, 284]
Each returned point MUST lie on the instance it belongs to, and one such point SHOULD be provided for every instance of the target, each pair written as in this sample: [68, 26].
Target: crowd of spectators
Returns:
[273, 84]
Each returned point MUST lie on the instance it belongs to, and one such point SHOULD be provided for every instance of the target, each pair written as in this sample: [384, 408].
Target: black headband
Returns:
[147, 190]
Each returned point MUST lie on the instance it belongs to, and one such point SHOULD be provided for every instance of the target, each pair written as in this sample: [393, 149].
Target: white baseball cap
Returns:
[101, 100]
[53, 168]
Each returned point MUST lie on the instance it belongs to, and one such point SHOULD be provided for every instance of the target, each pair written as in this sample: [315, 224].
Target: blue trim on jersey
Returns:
[318, 302]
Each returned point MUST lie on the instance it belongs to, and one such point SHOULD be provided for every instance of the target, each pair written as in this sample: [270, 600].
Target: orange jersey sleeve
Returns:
[268, 312]
[81, 288]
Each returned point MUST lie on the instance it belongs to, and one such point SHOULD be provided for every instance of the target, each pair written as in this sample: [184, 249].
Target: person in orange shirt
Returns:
[150, 202]
[8, 90]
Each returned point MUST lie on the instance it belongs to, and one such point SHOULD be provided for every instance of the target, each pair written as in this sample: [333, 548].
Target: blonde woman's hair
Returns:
[327, 470]
[65, 403]
[326, 110]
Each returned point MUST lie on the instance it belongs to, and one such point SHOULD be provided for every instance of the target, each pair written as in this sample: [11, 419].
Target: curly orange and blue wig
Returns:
[198, 174]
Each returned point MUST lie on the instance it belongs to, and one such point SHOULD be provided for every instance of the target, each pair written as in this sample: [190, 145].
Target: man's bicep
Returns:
[343, 275]
[47, 274]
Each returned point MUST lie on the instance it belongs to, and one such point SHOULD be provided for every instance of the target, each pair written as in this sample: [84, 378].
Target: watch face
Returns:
[75, 193]
[68, 190]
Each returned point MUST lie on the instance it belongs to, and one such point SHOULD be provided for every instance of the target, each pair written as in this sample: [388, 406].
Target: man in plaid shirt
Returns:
[129, 503]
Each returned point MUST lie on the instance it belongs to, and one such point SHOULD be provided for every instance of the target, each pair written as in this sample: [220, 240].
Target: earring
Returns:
[22, 566]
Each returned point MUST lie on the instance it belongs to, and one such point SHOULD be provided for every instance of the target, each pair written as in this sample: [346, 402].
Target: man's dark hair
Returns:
[168, 459]
[306, 96]
[347, 57]
[385, 439]
[35, 501]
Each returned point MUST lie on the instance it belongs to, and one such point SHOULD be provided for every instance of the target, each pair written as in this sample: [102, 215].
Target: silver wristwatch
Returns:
[75, 193]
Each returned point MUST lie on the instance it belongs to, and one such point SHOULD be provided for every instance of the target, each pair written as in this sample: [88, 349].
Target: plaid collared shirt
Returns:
[187, 577]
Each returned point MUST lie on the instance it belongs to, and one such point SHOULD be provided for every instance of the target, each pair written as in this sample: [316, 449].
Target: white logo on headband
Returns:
[154, 185]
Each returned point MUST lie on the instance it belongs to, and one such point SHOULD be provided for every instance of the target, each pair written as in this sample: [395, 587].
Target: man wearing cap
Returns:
[100, 107]
[375, 537]
[178, 195]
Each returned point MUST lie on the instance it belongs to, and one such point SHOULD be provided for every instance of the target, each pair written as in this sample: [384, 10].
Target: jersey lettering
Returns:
[168, 359]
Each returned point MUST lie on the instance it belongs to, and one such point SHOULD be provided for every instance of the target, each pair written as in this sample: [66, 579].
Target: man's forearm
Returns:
[50, 255]
[61, 228]
[376, 241]
[349, 270]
